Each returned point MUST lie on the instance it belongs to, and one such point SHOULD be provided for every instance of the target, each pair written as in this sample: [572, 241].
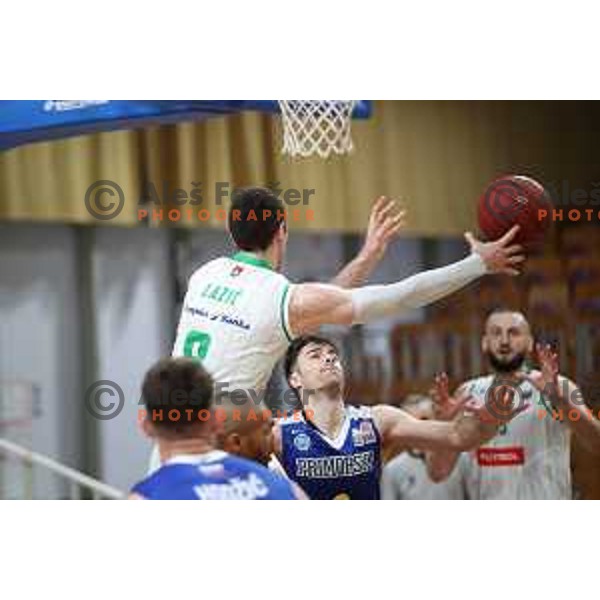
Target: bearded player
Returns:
[530, 458]
[240, 314]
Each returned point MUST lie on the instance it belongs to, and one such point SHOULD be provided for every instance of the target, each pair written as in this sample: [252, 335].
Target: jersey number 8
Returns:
[196, 344]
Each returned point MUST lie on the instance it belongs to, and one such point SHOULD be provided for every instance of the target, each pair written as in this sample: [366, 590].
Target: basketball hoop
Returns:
[316, 127]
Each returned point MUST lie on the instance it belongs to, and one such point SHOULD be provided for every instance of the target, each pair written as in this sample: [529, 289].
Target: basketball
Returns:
[514, 200]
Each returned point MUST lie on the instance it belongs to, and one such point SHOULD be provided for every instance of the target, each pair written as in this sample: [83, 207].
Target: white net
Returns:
[320, 127]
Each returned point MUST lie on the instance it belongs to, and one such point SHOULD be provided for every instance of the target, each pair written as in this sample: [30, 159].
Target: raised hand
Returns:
[545, 380]
[499, 256]
[385, 222]
[445, 406]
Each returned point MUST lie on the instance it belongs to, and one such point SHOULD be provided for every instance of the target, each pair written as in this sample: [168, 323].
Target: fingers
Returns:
[378, 206]
[548, 360]
[461, 401]
[470, 240]
[541, 352]
[503, 241]
[394, 224]
[441, 385]
[549, 353]
[509, 235]
[386, 218]
[441, 394]
[546, 355]
[509, 264]
[511, 269]
[516, 249]
[382, 207]
[515, 260]
[441, 378]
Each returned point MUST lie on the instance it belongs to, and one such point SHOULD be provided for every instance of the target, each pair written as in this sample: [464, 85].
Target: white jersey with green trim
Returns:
[235, 320]
[529, 458]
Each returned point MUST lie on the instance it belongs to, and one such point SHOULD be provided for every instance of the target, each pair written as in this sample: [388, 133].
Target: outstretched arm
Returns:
[401, 431]
[313, 305]
[470, 428]
[384, 224]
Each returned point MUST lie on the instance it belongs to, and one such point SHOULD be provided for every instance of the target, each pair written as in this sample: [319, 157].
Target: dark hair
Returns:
[294, 349]
[251, 226]
[174, 392]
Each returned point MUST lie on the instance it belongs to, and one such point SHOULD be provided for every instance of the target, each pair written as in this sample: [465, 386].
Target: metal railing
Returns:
[76, 480]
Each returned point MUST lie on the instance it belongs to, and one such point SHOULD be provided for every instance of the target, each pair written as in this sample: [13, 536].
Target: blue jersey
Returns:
[215, 475]
[348, 467]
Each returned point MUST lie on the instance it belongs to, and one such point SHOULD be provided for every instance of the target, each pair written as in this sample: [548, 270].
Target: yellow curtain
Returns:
[436, 156]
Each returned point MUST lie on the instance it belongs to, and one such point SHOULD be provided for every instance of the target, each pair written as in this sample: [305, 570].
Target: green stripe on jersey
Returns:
[281, 314]
[252, 259]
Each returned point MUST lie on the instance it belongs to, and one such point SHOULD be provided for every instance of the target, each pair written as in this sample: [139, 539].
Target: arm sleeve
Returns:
[379, 301]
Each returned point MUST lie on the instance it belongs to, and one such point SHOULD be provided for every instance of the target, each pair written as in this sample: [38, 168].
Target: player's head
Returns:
[247, 431]
[177, 395]
[312, 363]
[257, 223]
[507, 340]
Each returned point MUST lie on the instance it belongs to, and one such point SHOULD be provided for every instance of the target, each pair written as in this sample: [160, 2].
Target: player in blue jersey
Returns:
[336, 454]
[180, 416]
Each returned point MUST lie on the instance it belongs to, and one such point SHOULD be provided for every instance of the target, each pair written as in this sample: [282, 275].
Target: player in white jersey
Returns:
[239, 313]
[530, 457]
[236, 313]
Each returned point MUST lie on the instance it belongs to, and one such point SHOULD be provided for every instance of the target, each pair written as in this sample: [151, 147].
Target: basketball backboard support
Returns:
[29, 121]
